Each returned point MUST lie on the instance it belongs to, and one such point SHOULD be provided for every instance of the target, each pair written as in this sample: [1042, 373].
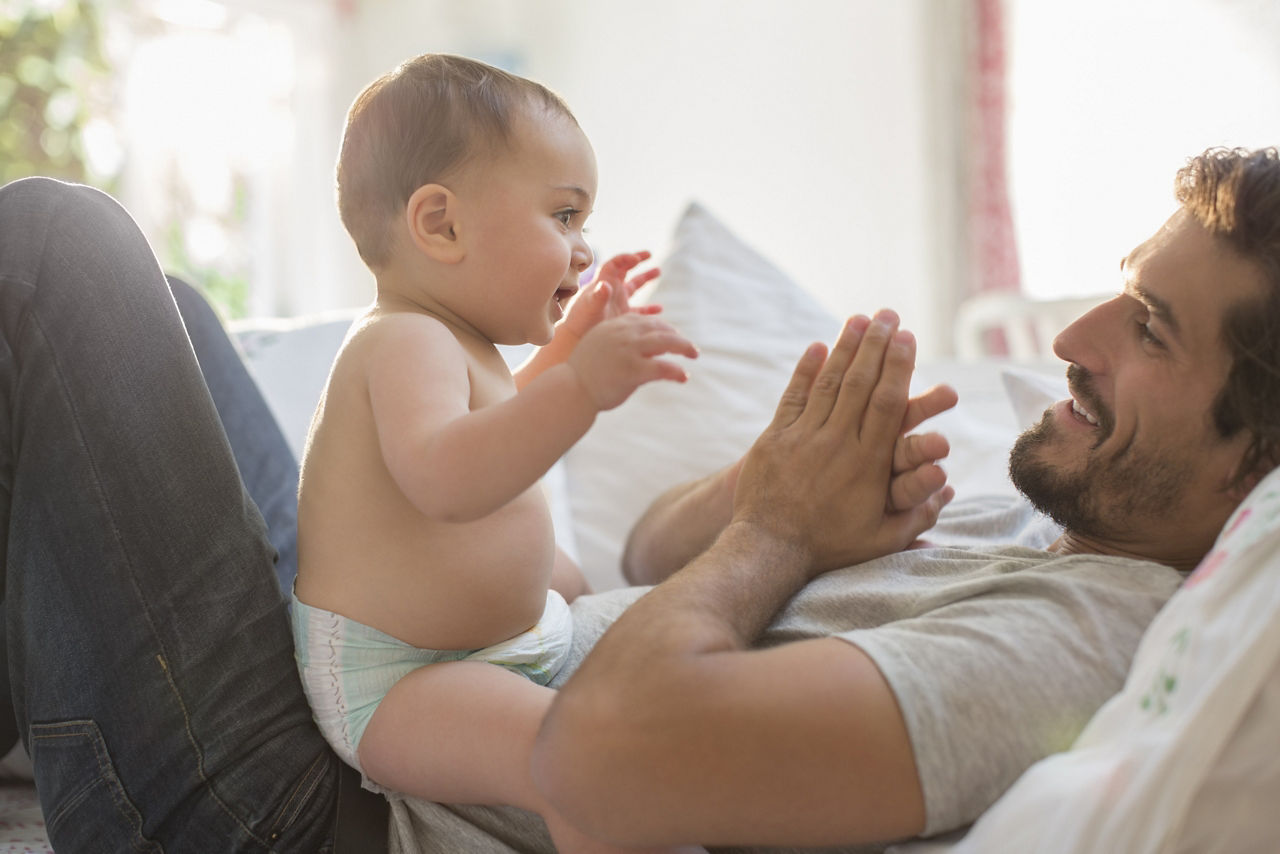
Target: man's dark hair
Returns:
[1234, 193]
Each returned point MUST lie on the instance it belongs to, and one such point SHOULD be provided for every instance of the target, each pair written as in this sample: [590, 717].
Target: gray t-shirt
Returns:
[998, 655]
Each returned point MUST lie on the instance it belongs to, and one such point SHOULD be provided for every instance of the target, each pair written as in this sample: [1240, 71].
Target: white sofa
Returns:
[751, 323]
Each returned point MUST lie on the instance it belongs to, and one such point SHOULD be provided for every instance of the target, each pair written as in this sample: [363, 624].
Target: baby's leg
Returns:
[567, 578]
[461, 732]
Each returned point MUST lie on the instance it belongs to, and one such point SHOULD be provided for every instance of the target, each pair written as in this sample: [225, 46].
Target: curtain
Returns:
[993, 248]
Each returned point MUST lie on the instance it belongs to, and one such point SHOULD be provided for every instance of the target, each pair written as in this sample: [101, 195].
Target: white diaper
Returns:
[347, 667]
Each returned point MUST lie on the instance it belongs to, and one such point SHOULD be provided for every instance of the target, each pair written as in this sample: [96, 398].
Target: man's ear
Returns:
[1240, 486]
[431, 216]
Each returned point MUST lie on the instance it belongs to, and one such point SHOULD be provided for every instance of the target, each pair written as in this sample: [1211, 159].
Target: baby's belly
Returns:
[449, 586]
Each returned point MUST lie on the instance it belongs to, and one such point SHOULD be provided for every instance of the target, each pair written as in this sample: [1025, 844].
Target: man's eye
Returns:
[1145, 333]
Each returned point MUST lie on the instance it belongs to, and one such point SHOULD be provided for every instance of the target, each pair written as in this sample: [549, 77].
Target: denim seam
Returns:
[33, 319]
[195, 745]
[292, 807]
[128, 810]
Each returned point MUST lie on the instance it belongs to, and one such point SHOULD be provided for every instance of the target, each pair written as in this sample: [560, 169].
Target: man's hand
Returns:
[609, 294]
[819, 476]
[916, 473]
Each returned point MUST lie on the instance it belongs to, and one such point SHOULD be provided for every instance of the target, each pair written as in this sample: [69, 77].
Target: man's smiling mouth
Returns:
[1083, 413]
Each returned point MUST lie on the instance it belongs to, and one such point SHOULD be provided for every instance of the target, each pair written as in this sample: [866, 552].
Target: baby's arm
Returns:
[457, 464]
[608, 295]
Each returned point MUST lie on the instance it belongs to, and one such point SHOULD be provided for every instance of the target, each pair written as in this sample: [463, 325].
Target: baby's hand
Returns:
[609, 294]
[620, 354]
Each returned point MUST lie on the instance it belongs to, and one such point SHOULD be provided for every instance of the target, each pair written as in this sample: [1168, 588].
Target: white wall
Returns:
[804, 125]
[1107, 101]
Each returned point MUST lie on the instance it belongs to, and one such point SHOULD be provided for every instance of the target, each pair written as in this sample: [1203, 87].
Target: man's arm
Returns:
[674, 730]
[678, 526]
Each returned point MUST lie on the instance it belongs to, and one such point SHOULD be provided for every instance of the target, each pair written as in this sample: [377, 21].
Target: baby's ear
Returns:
[430, 215]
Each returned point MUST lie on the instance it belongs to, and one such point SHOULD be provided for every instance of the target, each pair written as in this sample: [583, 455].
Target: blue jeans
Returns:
[149, 650]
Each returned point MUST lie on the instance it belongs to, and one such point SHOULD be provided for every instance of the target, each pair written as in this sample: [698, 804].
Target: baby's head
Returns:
[417, 125]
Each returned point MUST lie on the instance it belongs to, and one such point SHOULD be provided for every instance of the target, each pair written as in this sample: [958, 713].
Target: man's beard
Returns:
[1105, 497]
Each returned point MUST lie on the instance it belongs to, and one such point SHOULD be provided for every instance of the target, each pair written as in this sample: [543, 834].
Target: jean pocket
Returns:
[85, 805]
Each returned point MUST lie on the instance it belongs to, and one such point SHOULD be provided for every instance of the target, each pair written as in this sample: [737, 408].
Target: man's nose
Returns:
[1088, 338]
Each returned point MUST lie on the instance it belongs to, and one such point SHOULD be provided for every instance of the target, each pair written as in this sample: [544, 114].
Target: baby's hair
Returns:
[416, 124]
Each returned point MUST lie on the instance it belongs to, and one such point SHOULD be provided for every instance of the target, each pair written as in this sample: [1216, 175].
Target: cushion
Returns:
[751, 323]
[1183, 758]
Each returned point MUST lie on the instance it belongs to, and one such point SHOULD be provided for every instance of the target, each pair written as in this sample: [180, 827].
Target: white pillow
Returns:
[290, 361]
[1183, 758]
[1031, 392]
[751, 323]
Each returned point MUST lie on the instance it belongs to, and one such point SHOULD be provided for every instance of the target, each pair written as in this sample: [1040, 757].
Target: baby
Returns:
[428, 609]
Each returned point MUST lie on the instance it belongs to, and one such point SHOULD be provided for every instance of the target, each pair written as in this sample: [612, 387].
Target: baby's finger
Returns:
[667, 340]
[933, 402]
[618, 266]
[664, 369]
[920, 517]
[601, 295]
[911, 488]
[639, 280]
[912, 450]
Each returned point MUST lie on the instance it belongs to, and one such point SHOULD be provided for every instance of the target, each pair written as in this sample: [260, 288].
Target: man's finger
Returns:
[865, 374]
[826, 385]
[887, 401]
[796, 395]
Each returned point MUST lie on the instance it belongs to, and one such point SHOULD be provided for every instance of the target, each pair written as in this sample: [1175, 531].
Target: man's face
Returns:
[1132, 462]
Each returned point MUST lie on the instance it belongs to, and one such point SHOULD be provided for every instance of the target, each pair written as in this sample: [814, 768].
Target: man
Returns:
[1173, 418]
[150, 654]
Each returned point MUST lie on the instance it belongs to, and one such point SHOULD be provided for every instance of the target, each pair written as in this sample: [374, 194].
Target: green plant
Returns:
[54, 81]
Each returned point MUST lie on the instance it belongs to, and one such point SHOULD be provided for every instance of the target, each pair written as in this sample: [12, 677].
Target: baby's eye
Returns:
[566, 216]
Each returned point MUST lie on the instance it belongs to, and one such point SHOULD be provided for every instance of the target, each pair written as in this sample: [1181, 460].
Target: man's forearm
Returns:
[673, 731]
[681, 524]
[629, 715]
[732, 591]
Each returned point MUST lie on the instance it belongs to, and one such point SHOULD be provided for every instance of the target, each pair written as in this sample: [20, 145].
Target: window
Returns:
[1107, 100]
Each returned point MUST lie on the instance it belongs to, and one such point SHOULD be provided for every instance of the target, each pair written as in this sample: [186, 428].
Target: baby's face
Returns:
[524, 212]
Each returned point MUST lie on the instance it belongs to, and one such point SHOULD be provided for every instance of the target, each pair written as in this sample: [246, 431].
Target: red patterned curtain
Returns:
[993, 249]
